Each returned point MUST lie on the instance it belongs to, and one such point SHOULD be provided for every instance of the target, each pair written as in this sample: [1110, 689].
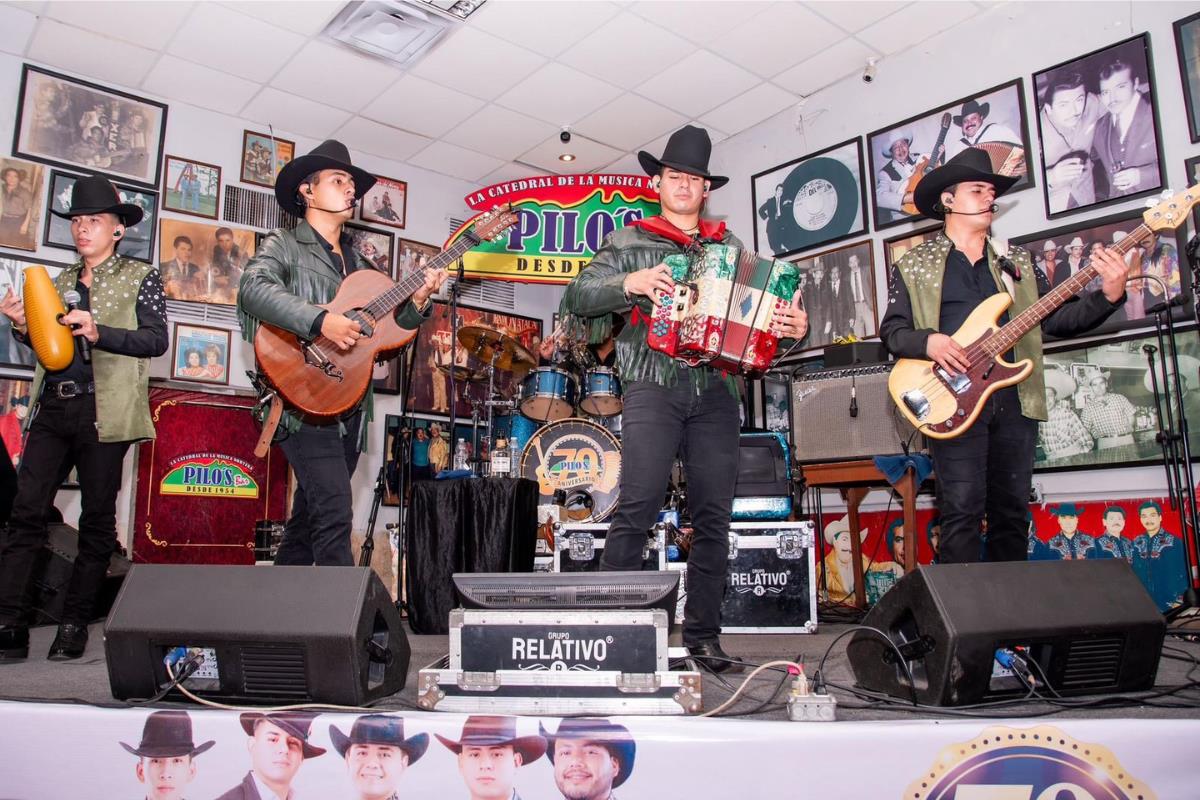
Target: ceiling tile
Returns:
[919, 22]
[16, 26]
[627, 164]
[455, 161]
[335, 75]
[828, 66]
[235, 43]
[699, 83]
[627, 51]
[628, 121]
[548, 28]
[749, 108]
[380, 140]
[417, 105]
[98, 57]
[543, 95]
[780, 37]
[857, 15]
[499, 132]
[200, 86]
[589, 155]
[293, 114]
[477, 64]
[706, 27]
[306, 18]
[137, 22]
[510, 172]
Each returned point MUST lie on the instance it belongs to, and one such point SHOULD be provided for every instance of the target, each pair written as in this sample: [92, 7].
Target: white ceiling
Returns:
[488, 102]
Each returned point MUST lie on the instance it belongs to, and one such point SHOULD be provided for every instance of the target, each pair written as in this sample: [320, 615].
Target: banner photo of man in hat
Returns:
[278, 747]
[489, 755]
[591, 757]
[377, 754]
[166, 755]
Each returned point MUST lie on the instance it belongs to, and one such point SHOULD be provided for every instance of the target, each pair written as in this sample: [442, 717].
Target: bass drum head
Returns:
[580, 458]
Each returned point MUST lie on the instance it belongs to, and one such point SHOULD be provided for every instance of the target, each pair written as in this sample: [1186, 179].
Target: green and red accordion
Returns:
[720, 315]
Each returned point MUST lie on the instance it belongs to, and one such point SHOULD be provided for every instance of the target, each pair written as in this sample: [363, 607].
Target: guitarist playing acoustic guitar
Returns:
[987, 471]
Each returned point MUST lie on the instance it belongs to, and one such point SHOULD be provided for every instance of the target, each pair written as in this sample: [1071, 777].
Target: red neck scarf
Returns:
[660, 225]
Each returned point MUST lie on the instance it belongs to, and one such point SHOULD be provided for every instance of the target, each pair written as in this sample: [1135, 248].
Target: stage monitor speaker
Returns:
[1083, 627]
[847, 414]
[293, 634]
[52, 575]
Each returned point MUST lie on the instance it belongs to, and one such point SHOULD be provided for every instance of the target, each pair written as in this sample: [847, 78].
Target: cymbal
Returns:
[461, 373]
[483, 343]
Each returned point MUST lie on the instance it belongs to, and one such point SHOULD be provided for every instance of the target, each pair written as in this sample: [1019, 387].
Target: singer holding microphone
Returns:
[86, 415]
[283, 285]
[987, 471]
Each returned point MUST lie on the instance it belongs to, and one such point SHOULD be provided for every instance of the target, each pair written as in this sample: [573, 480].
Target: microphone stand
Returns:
[455, 324]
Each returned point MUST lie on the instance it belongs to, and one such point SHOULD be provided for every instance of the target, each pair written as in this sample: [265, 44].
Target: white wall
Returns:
[1006, 41]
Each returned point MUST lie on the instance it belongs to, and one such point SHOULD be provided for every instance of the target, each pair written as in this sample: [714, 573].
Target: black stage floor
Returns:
[86, 680]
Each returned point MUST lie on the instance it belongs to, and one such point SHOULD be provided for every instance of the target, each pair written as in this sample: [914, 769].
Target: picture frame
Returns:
[1187, 48]
[1061, 252]
[376, 247]
[1191, 169]
[993, 118]
[895, 247]
[1123, 366]
[776, 406]
[12, 276]
[138, 241]
[1083, 164]
[22, 203]
[16, 401]
[385, 203]
[200, 354]
[834, 314]
[210, 268]
[411, 255]
[76, 124]
[191, 187]
[263, 156]
[827, 188]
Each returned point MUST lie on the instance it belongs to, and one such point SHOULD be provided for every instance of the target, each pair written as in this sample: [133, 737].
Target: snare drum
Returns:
[517, 428]
[601, 395]
[611, 424]
[548, 394]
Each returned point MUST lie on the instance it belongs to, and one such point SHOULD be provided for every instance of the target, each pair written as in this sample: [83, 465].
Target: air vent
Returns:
[204, 313]
[274, 672]
[1092, 664]
[394, 30]
[255, 209]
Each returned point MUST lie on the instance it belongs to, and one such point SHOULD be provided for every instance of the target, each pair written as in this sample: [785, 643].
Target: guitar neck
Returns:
[941, 140]
[387, 302]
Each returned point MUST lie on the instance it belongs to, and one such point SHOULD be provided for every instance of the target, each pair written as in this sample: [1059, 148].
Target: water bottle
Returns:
[461, 459]
[501, 459]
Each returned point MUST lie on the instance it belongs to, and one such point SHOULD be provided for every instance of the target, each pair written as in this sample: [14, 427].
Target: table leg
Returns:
[854, 497]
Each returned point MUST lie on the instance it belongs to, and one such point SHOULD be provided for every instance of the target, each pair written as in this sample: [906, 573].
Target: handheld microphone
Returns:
[72, 299]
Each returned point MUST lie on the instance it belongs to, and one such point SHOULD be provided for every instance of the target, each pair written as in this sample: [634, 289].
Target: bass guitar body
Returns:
[942, 405]
[315, 378]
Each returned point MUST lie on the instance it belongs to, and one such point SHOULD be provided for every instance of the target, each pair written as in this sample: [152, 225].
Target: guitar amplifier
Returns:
[847, 414]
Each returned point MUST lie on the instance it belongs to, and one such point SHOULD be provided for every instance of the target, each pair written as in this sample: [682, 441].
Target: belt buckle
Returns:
[65, 393]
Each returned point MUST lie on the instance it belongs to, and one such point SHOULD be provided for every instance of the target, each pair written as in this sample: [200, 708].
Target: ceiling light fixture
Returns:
[567, 157]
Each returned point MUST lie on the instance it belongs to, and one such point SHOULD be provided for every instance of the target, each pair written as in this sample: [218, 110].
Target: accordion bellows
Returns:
[52, 341]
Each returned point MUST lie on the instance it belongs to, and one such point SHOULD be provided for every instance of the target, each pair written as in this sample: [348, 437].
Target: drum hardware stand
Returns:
[368, 545]
[455, 324]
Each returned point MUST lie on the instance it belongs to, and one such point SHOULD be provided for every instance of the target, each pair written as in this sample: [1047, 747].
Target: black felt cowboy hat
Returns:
[96, 195]
[167, 734]
[380, 729]
[293, 723]
[971, 164]
[616, 738]
[973, 107]
[329, 154]
[687, 150]
[488, 731]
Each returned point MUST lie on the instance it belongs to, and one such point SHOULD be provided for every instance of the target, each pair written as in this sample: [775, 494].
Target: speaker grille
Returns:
[1092, 664]
[275, 671]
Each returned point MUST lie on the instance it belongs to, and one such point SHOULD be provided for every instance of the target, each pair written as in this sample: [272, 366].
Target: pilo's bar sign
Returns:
[209, 474]
[563, 220]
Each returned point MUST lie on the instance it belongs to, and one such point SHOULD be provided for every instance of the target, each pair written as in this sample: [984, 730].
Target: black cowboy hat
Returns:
[971, 164]
[616, 738]
[973, 107]
[688, 151]
[380, 729]
[167, 734]
[487, 731]
[293, 723]
[329, 154]
[95, 194]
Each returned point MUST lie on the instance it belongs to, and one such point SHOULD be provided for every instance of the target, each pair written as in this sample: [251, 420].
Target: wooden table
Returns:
[855, 479]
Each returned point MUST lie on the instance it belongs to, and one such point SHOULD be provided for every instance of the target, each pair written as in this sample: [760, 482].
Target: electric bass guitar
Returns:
[944, 405]
[321, 382]
[927, 165]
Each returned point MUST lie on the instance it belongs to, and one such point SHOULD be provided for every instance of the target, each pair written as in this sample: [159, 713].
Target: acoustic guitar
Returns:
[927, 165]
[321, 382]
[944, 405]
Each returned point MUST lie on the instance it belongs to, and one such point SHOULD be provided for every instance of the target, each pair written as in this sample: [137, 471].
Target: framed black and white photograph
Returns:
[12, 278]
[1101, 401]
[1192, 170]
[993, 120]
[777, 403]
[68, 122]
[1098, 123]
[191, 187]
[810, 201]
[385, 203]
[1187, 47]
[374, 246]
[1062, 252]
[838, 287]
[138, 241]
[895, 247]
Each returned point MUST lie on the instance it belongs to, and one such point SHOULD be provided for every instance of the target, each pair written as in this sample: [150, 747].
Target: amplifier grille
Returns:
[845, 414]
[275, 671]
[1092, 664]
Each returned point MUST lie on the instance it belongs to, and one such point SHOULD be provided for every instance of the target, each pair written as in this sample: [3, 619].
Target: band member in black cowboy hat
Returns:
[166, 755]
[935, 286]
[86, 416]
[670, 408]
[591, 757]
[292, 273]
[489, 754]
[278, 747]
[377, 754]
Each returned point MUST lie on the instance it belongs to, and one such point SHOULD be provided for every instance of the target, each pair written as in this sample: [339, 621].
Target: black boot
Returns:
[711, 657]
[69, 643]
[14, 642]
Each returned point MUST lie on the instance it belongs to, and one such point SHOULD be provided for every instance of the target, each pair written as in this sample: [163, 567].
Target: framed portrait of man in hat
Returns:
[374, 246]
[203, 263]
[22, 202]
[385, 203]
[263, 156]
[900, 155]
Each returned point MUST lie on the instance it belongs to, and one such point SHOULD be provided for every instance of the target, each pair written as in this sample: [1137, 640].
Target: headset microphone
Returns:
[350, 207]
[992, 209]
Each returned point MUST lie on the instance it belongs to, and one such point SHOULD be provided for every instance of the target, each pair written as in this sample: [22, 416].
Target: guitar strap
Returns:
[270, 425]
[1000, 247]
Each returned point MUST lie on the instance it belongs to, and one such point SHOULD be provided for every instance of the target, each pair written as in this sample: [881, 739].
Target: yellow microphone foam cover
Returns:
[51, 340]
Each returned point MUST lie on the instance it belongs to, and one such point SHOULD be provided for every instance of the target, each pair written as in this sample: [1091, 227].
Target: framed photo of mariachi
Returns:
[374, 246]
[22, 203]
[992, 119]
[810, 201]
[1098, 123]
[385, 203]
[1187, 47]
[263, 156]
[838, 287]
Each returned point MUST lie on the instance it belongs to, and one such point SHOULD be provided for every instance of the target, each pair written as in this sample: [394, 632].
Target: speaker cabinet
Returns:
[1088, 627]
[52, 576]
[847, 414]
[294, 634]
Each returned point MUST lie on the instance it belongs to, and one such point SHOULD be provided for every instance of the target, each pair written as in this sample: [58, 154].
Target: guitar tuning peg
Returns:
[1151, 202]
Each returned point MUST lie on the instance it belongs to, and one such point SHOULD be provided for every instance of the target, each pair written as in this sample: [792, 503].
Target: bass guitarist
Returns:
[986, 473]
[283, 284]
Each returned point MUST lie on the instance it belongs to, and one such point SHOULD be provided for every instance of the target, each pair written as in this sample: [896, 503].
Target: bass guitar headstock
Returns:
[1171, 211]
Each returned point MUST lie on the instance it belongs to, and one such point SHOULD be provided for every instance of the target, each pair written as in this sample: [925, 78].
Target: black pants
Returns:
[62, 435]
[318, 531]
[986, 473]
[659, 422]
